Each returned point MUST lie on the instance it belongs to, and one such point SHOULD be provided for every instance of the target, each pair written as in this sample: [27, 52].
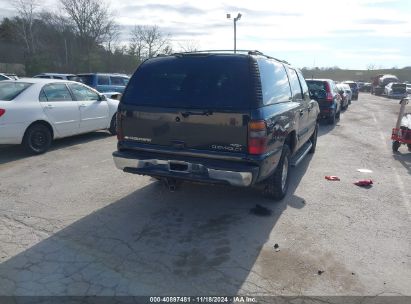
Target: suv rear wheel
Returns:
[313, 139]
[277, 184]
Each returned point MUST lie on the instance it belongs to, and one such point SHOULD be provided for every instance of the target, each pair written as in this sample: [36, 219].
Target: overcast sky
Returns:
[349, 34]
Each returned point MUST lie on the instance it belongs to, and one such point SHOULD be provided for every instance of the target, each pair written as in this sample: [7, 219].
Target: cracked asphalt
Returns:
[72, 224]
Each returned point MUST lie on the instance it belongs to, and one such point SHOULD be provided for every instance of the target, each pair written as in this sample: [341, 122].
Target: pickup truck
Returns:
[239, 119]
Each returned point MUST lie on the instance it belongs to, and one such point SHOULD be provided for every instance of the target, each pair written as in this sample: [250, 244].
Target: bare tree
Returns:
[137, 45]
[148, 41]
[26, 11]
[92, 20]
[189, 45]
[371, 66]
[112, 37]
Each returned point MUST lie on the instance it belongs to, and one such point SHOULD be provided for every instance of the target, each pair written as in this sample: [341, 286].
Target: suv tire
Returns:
[276, 185]
[112, 128]
[37, 139]
[313, 139]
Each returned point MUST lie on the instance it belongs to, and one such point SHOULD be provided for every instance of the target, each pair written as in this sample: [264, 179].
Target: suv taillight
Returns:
[329, 96]
[2, 111]
[119, 127]
[257, 137]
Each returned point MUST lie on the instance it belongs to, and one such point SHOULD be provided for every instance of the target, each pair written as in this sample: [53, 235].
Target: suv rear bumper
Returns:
[199, 170]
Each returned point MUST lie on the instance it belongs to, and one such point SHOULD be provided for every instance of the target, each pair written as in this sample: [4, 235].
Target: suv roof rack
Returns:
[246, 52]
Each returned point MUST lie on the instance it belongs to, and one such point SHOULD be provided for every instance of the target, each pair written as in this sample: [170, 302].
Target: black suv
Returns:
[217, 117]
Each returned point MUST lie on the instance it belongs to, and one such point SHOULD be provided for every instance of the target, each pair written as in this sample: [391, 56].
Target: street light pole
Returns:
[235, 29]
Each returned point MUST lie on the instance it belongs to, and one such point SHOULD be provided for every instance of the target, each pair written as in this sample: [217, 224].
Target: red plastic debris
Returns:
[364, 183]
[332, 178]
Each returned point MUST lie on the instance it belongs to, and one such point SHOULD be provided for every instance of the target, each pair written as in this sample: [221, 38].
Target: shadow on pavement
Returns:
[325, 127]
[9, 153]
[201, 239]
[404, 158]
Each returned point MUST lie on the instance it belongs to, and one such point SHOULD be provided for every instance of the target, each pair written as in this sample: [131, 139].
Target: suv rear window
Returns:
[10, 90]
[315, 85]
[191, 82]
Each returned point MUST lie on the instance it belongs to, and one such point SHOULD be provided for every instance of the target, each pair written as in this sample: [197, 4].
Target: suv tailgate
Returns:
[189, 102]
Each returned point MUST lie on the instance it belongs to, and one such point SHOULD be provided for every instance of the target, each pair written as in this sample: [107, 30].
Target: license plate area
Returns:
[179, 166]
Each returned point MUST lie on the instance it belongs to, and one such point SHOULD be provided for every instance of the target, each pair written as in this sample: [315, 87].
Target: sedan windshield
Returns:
[10, 90]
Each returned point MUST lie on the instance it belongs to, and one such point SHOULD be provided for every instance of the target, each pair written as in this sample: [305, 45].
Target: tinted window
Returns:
[73, 78]
[274, 82]
[10, 90]
[352, 85]
[103, 80]
[86, 79]
[193, 82]
[57, 92]
[43, 76]
[304, 86]
[83, 93]
[3, 77]
[118, 81]
[42, 96]
[315, 85]
[58, 77]
[295, 84]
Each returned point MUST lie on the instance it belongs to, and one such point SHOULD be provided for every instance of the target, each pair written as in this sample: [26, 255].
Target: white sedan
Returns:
[34, 111]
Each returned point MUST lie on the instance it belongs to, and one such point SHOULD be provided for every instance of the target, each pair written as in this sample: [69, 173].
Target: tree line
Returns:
[84, 37]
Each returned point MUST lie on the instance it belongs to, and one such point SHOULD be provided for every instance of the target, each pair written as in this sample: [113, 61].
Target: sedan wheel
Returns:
[37, 139]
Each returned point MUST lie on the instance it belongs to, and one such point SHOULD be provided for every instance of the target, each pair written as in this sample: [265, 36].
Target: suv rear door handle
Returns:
[82, 105]
[49, 106]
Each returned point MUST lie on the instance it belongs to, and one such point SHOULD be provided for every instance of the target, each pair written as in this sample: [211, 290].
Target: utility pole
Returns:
[235, 29]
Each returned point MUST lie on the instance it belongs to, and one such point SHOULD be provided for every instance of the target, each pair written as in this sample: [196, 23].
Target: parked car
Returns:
[348, 91]
[354, 89]
[345, 100]
[238, 119]
[57, 76]
[367, 87]
[326, 93]
[395, 90]
[34, 111]
[105, 82]
[11, 76]
[4, 77]
[408, 88]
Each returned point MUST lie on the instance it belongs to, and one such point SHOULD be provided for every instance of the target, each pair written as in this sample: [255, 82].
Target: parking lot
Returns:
[72, 224]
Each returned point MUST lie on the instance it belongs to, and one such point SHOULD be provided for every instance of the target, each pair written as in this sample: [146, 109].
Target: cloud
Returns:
[380, 21]
[260, 13]
[180, 9]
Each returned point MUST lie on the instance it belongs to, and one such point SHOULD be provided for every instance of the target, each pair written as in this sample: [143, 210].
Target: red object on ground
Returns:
[364, 183]
[332, 178]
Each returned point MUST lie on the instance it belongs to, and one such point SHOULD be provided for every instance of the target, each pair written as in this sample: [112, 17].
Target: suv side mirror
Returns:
[102, 97]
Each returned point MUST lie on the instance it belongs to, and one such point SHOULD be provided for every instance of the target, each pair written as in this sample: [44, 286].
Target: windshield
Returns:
[10, 90]
[193, 82]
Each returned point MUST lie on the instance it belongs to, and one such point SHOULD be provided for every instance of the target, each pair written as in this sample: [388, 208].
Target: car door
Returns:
[94, 112]
[312, 107]
[60, 108]
[298, 97]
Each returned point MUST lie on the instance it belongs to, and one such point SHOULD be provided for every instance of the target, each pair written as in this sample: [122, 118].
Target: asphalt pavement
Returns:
[72, 224]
